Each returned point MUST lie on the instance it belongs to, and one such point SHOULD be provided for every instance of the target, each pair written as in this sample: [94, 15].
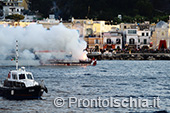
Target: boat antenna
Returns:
[16, 57]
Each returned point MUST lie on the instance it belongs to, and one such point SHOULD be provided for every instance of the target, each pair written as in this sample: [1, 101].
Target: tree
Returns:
[139, 18]
[117, 20]
[127, 19]
[15, 17]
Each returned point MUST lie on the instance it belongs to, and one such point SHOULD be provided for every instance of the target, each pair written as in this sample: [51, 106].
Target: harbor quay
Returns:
[130, 56]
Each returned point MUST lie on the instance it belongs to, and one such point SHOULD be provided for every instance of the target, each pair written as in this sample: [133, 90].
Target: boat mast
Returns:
[16, 57]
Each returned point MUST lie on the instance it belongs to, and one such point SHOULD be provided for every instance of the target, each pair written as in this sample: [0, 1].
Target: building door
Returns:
[131, 41]
[162, 44]
[109, 41]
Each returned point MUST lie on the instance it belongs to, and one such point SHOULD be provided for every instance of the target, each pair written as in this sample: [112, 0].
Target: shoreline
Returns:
[132, 56]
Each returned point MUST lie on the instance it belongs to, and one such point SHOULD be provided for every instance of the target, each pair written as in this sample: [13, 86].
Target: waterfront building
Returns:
[29, 18]
[84, 27]
[94, 44]
[144, 39]
[132, 39]
[112, 40]
[160, 37]
[79, 26]
[124, 26]
[88, 26]
[98, 27]
[49, 22]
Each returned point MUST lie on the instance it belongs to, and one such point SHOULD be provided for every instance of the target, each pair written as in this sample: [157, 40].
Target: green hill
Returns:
[104, 9]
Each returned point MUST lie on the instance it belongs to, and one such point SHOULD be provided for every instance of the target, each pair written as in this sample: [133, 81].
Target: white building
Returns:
[132, 38]
[29, 18]
[144, 38]
[10, 10]
[112, 40]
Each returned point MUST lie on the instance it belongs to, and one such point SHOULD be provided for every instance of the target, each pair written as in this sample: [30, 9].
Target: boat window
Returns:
[14, 76]
[29, 76]
[22, 76]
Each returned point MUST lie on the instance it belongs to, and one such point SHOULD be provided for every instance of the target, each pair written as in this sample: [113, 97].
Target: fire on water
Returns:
[83, 61]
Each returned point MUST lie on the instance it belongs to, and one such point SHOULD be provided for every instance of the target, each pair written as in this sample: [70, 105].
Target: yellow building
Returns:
[98, 27]
[83, 26]
[94, 44]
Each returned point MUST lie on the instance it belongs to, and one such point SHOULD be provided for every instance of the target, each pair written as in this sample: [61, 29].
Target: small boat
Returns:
[20, 84]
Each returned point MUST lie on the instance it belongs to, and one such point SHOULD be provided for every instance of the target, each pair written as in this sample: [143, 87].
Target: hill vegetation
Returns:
[131, 10]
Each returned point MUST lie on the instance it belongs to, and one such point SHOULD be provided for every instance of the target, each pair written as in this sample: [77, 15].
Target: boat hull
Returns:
[15, 93]
[68, 63]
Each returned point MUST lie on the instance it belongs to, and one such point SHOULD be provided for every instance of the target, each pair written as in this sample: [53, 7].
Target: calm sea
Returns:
[117, 79]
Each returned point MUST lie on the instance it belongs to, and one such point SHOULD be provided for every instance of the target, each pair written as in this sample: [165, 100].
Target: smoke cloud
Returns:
[34, 38]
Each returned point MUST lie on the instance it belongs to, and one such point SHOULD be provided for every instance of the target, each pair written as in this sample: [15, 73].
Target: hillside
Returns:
[102, 9]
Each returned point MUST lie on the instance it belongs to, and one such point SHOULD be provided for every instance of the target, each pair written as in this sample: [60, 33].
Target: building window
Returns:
[131, 41]
[117, 41]
[163, 33]
[145, 41]
[109, 41]
[89, 32]
[138, 40]
[147, 34]
[132, 31]
[124, 27]
[96, 41]
[143, 34]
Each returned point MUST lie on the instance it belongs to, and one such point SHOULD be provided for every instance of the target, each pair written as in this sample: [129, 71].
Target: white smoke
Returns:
[59, 39]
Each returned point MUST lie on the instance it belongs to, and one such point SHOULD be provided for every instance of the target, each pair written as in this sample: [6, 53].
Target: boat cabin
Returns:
[20, 78]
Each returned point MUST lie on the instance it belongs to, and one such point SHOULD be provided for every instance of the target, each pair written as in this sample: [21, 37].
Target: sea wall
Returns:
[132, 56]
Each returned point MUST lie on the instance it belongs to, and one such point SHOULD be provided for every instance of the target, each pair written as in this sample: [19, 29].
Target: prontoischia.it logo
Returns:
[107, 102]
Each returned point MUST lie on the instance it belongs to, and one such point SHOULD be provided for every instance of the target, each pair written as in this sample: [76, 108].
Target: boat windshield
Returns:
[29, 76]
[21, 76]
[14, 76]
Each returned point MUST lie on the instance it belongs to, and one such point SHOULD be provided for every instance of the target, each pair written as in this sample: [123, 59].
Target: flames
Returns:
[85, 56]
